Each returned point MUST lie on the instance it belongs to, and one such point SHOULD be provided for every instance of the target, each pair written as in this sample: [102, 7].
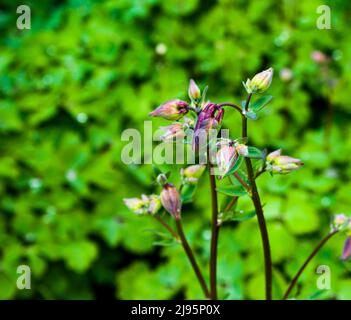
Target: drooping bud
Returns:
[171, 110]
[209, 118]
[192, 173]
[170, 199]
[174, 131]
[277, 163]
[226, 157]
[194, 91]
[346, 253]
[260, 82]
[146, 205]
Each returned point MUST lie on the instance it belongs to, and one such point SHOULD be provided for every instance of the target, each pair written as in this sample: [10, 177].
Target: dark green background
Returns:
[87, 70]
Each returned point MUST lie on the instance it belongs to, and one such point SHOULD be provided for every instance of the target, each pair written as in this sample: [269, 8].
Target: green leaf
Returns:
[243, 215]
[260, 103]
[238, 216]
[251, 115]
[231, 190]
[188, 192]
[255, 153]
[236, 166]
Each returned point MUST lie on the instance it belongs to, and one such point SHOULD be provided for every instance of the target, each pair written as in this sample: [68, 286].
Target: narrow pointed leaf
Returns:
[231, 190]
[260, 103]
[236, 166]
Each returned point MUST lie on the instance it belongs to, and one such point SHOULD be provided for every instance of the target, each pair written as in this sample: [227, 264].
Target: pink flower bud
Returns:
[346, 253]
[226, 157]
[286, 74]
[319, 57]
[170, 199]
[174, 131]
[276, 163]
[340, 220]
[171, 110]
[194, 91]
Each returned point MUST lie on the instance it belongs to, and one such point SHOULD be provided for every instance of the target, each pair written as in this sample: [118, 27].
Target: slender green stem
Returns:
[191, 258]
[242, 182]
[214, 231]
[310, 257]
[167, 226]
[259, 212]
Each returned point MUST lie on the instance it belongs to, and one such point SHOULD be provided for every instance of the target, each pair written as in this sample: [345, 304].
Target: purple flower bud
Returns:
[171, 110]
[170, 199]
[346, 253]
[194, 91]
[226, 157]
[209, 118]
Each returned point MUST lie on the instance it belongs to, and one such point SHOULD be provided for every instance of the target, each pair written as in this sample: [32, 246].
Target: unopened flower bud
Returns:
[194, 91]
[171, 110]
[276, 163]
[192, 173]
[170, 199]
[146, 205]
[209, 118]
[346, 253]
[242, 149]
[260, 82]
[226, 157]
[340, 221]
[161, 179]
[175, 131]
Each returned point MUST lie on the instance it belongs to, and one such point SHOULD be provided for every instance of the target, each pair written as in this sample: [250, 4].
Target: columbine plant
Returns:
[227, 159]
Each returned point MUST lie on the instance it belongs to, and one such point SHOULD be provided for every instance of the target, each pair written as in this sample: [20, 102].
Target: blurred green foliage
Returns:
[88, 69]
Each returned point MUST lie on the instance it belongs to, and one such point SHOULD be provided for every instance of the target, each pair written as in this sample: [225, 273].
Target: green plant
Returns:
[224, 157]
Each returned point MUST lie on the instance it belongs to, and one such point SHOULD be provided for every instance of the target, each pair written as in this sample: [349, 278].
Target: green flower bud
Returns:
[276, 163]
[192, 173]
[260, 82]
[146, 205]
[161, 179]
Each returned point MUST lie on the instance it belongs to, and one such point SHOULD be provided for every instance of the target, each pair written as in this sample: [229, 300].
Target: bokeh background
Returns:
[87, 70]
